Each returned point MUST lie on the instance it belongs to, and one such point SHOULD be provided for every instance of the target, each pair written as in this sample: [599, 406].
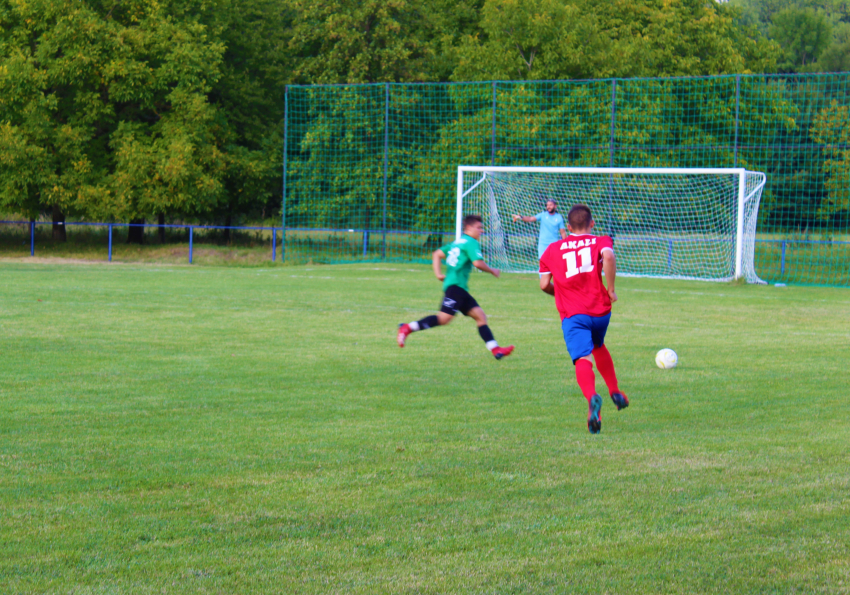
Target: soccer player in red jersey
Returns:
[571, 270]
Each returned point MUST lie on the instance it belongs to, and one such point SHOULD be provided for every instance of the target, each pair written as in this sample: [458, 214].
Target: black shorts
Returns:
[457, 299]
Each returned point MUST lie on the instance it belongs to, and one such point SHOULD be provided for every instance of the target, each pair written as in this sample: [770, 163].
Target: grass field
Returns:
[176, 429]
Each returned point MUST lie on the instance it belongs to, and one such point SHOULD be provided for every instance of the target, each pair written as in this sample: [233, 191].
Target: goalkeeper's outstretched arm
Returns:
[526, 218]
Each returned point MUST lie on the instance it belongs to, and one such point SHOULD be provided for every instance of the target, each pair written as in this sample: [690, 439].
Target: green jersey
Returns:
[460, 255]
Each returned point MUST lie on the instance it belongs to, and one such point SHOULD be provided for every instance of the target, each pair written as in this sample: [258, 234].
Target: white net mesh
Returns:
[681, 225]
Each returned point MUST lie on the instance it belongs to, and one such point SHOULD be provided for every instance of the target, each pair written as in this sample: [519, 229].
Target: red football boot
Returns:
[500, 352]
[403, 331]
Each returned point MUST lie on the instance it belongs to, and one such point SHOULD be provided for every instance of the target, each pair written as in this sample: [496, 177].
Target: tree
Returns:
[552, 39]
[534, 39]
[836, 58]
[353, 41]
[105, 111]
[803, 35]
[830, 129]
[51, 106]
[249, 97]
[798, 30]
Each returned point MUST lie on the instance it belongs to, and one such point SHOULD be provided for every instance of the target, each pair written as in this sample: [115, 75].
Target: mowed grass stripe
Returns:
[257, 430]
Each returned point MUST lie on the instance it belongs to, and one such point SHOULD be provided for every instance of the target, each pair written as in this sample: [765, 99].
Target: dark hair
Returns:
[579, 217]
[470, 219]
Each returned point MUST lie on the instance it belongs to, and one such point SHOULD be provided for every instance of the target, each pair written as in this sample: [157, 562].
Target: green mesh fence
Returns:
[370, 170]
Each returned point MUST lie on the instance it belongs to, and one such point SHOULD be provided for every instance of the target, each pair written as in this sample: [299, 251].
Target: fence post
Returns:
[32, 238]
[782, 269]
[366, 241]
[191, 234]
[669, 254]
[609, 227]
[274, 243]
[613, 119]
[285, 151]
[493, 130]
[737, 114]
[386, 160]
[110, 242]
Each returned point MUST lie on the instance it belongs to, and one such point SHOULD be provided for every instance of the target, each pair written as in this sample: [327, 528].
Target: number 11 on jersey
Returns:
[572, 266]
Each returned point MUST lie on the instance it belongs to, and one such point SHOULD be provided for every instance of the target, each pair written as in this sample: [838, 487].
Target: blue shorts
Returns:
[582, 333]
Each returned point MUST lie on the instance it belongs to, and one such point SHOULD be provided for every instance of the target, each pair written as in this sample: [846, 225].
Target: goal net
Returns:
[669, 223]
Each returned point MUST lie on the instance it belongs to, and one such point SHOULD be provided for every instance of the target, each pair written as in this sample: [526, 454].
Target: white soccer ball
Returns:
[666, 359]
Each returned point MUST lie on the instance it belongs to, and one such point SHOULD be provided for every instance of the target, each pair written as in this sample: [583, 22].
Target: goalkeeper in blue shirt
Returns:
[552, 226]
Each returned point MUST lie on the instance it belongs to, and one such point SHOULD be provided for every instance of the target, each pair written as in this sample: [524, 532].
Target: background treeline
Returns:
[173, 110]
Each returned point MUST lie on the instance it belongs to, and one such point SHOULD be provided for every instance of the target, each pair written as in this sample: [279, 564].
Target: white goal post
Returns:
[678, 223]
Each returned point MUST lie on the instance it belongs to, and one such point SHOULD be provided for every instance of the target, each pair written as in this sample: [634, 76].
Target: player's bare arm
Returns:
[436, 258]
[525, 218]
[546, 283]
[564, 234]
[609, 267]
[484, 268]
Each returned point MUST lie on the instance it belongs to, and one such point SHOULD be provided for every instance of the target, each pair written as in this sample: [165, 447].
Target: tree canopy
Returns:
[126, 109]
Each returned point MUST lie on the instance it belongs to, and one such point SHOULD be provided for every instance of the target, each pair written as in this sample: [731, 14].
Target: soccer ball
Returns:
[666, 359]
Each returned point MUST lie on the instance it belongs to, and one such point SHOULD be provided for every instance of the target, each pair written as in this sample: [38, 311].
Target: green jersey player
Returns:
[460, 256]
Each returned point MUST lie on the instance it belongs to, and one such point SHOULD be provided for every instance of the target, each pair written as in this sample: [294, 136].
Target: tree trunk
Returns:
[227, 221]
[161, 222]
[136, 235]
[59, 234]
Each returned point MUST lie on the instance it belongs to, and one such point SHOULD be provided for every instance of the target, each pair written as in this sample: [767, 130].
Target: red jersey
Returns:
[576, 268]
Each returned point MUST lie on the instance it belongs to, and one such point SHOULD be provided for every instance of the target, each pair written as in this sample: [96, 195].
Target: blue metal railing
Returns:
[670, 242]
[191, 228]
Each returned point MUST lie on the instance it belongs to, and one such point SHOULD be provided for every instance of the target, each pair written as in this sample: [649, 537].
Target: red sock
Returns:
[605, 365]
[586, 378]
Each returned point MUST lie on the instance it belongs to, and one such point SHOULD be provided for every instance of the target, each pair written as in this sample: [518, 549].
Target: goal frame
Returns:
[738, 171]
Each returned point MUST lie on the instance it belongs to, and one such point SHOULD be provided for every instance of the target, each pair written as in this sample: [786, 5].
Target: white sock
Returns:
[414, 326]
[491, 345]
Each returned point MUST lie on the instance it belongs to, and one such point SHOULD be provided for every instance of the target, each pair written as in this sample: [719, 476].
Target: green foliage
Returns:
[830, 128]
[548, 39]
[357, 41]
[803, 35]
[461, 135]
[836, 58]
[111, 104]
[533, 39]
[109, 111]
[132, 109]
[51, 78]
[339, 161]
[249, 100]
[813, 34]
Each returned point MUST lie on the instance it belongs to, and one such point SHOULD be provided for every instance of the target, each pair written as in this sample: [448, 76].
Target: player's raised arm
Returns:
[526, 218]
[485, 268]
[436, 257]
[609, 267]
